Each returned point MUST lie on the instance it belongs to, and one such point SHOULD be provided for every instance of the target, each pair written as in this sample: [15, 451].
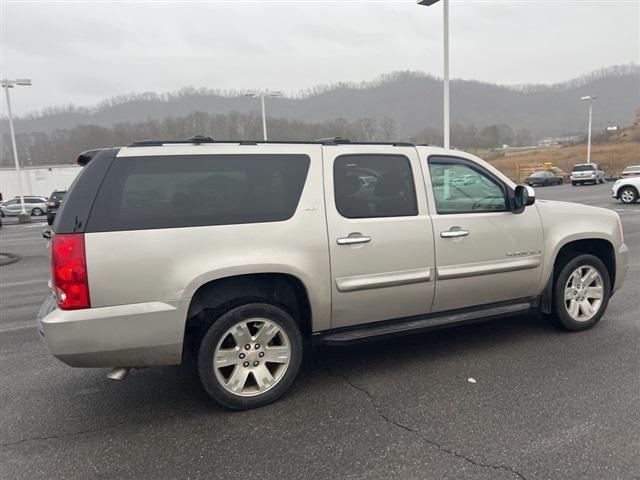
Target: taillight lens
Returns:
[69, 271]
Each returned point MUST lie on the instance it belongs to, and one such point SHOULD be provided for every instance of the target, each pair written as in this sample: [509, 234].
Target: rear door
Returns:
[380, 234]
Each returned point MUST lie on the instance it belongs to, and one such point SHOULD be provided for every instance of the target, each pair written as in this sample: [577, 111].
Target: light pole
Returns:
[590, 99]
[262, 94]
[445, 29]
[24, 217]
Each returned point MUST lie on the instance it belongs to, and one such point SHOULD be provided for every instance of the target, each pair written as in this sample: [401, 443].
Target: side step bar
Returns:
[415, 324]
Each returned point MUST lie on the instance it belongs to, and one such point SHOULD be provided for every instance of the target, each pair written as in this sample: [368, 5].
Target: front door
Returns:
[484, 252]
[380, 234]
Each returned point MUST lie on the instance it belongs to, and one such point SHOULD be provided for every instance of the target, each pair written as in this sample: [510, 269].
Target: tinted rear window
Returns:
[196, 190]
[57, 196]
[583, 168]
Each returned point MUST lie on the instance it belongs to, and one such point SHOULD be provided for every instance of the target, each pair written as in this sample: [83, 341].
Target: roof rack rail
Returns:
[196, 140]
[333, 140]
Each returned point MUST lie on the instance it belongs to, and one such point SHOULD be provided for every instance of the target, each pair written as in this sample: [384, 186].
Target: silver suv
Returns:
[587, 173]
[240, 253]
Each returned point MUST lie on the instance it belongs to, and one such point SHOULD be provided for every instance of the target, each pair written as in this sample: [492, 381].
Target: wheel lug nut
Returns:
[246, 364]
[241, 356]
[247, 347]
[257, 346]
[256, 363]
[261, 354]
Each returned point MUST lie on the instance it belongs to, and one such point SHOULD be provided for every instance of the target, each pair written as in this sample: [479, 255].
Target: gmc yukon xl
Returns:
[240, 253]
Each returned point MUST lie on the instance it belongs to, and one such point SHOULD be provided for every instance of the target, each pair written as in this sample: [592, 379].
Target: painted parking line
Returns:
[26, 282]
[626, 210]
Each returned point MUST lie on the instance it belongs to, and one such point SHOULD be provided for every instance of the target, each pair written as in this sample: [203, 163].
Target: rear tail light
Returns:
[69, 271]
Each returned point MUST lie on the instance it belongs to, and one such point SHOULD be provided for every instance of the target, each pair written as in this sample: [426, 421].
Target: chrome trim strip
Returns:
[488, 268]
[382, 280]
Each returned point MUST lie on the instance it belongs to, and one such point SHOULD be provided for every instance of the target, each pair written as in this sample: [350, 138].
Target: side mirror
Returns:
[523, 196]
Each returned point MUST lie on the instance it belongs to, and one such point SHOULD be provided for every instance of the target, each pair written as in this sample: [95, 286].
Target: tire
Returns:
[628, 195]
[36, 212]
[565, 277]
[224, 340]
[574, 183]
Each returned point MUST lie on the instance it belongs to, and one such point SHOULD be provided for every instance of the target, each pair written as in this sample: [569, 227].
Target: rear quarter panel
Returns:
[171, 264]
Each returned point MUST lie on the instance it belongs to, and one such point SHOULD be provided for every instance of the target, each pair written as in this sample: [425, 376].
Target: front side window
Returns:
[371, 186]
[459, 188]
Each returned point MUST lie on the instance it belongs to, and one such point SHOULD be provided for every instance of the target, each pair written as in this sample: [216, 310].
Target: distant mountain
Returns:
[413, 100]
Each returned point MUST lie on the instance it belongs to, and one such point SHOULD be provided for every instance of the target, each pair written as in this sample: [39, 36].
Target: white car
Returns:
[627, 189]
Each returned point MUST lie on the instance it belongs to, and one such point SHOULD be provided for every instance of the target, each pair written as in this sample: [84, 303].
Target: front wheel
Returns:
[628, 195]
[250, 356]
[36, 212]
[574, 183]
[581, 293]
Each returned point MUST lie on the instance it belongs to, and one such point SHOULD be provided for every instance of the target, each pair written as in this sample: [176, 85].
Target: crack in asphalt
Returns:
[373, 401]
[74, 434]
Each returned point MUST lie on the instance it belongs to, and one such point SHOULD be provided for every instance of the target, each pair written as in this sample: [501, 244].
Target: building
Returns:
[41, 180]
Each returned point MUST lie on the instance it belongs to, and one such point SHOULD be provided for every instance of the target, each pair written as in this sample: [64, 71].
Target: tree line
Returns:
[62, 146]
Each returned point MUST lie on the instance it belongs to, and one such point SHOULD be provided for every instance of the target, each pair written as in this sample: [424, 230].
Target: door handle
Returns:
[354, 239]
[454, 232]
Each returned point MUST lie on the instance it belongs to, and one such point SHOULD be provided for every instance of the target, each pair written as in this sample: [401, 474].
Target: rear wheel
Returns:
[574, 183]
[36, 212]
[250, 356]
[581, 293]
[628, 195]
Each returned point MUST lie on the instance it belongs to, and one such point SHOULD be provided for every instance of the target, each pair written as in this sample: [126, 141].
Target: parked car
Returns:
[35, 206]
[53, 204]
[627, 189]
[543, 179]
[631, 171]
[587, 173]
[242, 254]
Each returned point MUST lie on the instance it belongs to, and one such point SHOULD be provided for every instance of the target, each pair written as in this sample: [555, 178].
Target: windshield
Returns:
[583, 168]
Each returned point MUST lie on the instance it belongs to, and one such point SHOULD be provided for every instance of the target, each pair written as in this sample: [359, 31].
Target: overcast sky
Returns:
[84, 52]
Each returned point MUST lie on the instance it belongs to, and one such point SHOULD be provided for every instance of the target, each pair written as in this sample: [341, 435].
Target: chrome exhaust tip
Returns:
[119, 373]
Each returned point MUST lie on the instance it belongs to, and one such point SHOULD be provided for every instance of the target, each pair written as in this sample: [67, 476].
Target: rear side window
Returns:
[370, 186]
[197, 190]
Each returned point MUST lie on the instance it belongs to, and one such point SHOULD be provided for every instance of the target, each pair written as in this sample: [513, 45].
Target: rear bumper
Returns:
[137, 335]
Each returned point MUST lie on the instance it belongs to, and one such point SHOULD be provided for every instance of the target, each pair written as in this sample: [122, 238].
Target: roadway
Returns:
[545, 404]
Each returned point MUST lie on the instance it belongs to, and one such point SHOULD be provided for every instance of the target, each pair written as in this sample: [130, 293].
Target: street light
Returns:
[24, 217]
[445, 29]
[590, 99]
[262, 94]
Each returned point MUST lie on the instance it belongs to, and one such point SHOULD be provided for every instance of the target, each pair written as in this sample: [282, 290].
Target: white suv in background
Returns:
[627, 189]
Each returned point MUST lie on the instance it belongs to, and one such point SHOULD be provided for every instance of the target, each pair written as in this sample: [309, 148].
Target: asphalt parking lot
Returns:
[545, 404]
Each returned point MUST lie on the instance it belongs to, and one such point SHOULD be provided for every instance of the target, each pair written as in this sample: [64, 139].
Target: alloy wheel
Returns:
[252, 357]
[627, 196]
[583, 293]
